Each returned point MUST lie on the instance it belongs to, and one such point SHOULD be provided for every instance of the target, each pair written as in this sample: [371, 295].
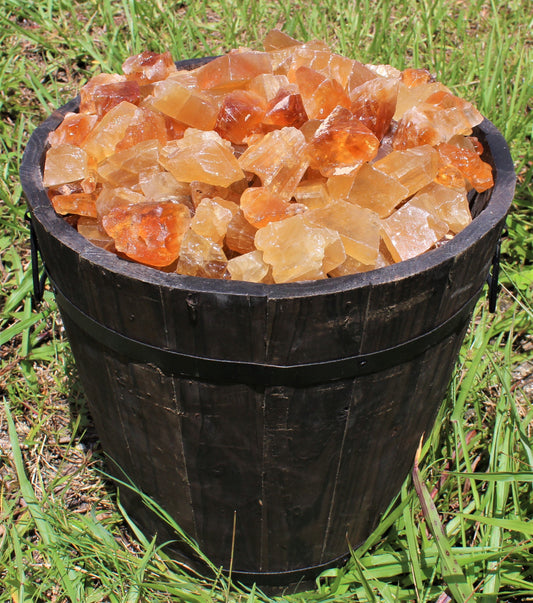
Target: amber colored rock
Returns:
[376, 190]
[359, 75]
[149, 233]
[87, 104]
[334, 253]
[146, 125]
[446, 101]
[352, 266]
[201, 190]
[240, 234]
[276, 39]
[330, 65]
[108, 132]
[260, 206]
[202, 156]
[148, 67]
[110, 198]
[122, 169]
[286, 109]
[414, 168]
[200, 256]
[410, 231]
[184, 104]
[240, 114]
[107, 96]
[358, 228]
[293, 248]
[233, 70]
[341, 144]
[81, 204]
[312, 193]
[449, 175]
[320, 95]
[278, 159]
[159, 185]
[267, 85]
[248, 267]
[374, 104]
[212, 218]
[415, 77]
[65, 163]
[73, 129]
[469, 163]
[338, 187]
[91, 229]
[410, 97]
[447, 204]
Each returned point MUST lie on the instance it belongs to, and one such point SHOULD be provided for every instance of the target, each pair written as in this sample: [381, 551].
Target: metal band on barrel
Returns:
[234, 371]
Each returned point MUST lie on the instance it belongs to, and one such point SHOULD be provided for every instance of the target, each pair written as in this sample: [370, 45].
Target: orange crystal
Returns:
[107, 96]
[148, 67]
[341, 144]
[240, 234]
[149, 233]
[202, 156]
[200, 256]
[286, 109]
[124, 168]
[145, 125]
[81, 204]
[233, 70]
[320, 94]
[447, 204]
[469, 163]
[92, 230]
[73, 129]
[376, 190]
[374, 104]
[65, 163]
[415, 77]
[248, 267]
[240, 114]
[212, 218]
[260, 206]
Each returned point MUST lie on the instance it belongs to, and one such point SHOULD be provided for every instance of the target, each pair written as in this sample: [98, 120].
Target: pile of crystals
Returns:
[285, 165]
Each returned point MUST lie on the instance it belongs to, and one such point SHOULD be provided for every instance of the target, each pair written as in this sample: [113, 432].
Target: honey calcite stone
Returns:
[341, 144]
[414, 168]
[374, 104]
[161, 185]
[415, 77]
[447, 204]
[108, 132]
[312, 193]
[293, 248]
[260, 206]
[248, 267]
[65, 163]
[330, 65]
[145, 125]
[409, 97]
[110, 198]
[320, 94]
[267, 85]
[376, 190]
[81, 204]
[148, 67]
[91, 229]
[200, 256]
[107, 96]
[73, 129]
[410, 231]
[286, 109]
[358, 227]
[202, 156]
[149, 233]
[212, 218]
[469, 163]
[233, 70]
[184, 104]
[240, 114]
[123, 169]
[87, 103]
[240, 234]
[276, 39]
[278, 159]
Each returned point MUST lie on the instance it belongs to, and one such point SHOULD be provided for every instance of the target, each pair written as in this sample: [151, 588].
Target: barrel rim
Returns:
[494, 212]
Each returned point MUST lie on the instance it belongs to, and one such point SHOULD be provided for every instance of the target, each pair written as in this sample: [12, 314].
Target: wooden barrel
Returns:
[294, 410]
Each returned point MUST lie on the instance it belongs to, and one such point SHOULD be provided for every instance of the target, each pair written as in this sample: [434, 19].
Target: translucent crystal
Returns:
[240, 234]
[101, 142]
[233, 70]
[312, 193]
[107, 96]
[148, 67]
[293, 248]
[158, 185]
[377, 190]
[145, 125]
[109, 198]
[267, 85]
[359, 75]
[123, 168]
[248, 267]
[469, 163]
[260, 206]
[330, 65]
[200, 256]
[241, 112]
[91, 229]
[278, 159]
[286, 109]
[201, 190]
[202, 156]
[410, 231]
[282, 57]
[410, 97]
[374, 104]
[320, 94]
[81, 204]
[149, 233]
[184, 104]
[65, 163]
[276, 39]
[211, 219]
[447, 204]
[87, 104]
[414, 168]
[73, 129]
[358, 228]
[415, 77]
[341, 144]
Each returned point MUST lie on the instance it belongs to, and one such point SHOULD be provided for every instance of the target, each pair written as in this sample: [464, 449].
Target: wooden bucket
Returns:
[293, 409]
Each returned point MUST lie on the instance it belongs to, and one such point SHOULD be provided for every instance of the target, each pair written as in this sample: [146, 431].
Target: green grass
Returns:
[460, 526]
